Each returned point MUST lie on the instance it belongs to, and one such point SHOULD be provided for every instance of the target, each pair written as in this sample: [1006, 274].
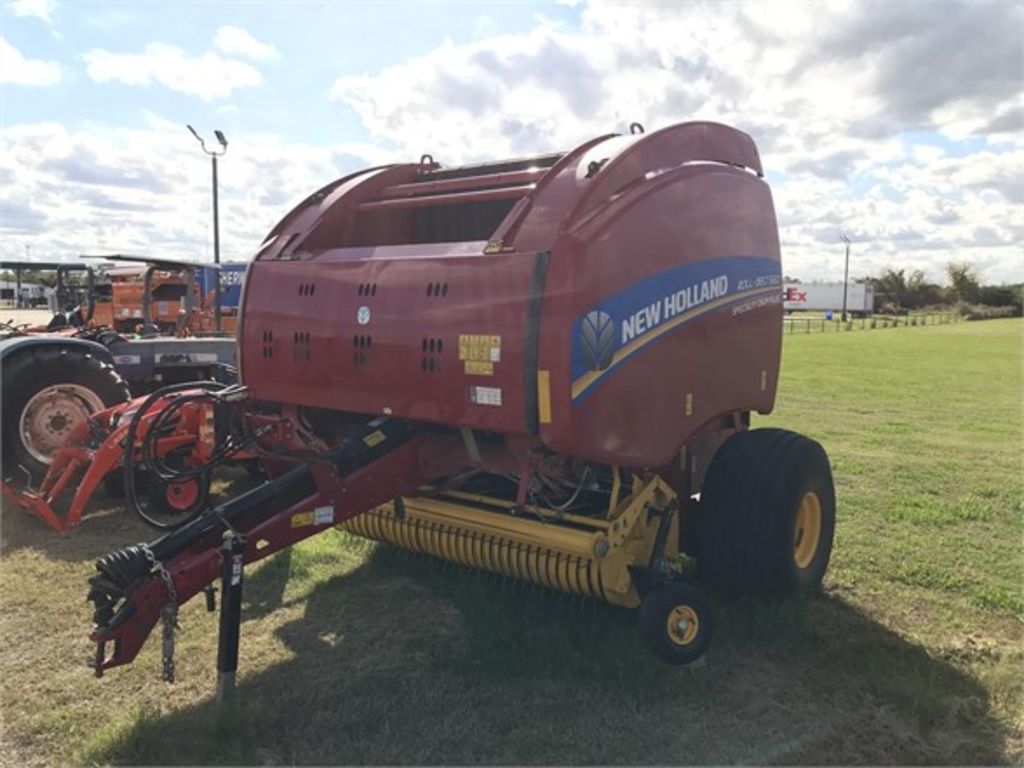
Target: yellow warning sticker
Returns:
[480, 347]
[318, 516]
[479, 368]
[374, 438]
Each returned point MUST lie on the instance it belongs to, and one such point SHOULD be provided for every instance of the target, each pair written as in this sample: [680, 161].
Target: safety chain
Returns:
[168, 614]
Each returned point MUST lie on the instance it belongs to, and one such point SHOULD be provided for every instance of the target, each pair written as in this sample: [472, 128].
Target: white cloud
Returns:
[15, 69]
[38, 9]
[833, 93]
[237, 41]
[148, 190]
[208, 76]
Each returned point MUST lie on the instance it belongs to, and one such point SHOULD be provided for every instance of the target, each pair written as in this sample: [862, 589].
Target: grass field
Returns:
[912, 654]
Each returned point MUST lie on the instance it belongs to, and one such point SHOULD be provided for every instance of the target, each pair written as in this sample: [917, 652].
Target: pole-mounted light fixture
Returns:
[846, 271]
[214, 154]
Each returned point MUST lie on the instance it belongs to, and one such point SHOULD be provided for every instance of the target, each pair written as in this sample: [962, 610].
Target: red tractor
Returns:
[59, 380]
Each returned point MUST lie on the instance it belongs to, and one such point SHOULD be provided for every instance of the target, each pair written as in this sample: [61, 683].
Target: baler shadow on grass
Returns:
[405, 660]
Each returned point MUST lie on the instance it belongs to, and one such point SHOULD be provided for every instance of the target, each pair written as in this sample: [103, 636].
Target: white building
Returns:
[32, 294]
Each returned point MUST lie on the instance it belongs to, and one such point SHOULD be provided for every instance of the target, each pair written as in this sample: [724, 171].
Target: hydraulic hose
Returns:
[128, 463]
[154, 463]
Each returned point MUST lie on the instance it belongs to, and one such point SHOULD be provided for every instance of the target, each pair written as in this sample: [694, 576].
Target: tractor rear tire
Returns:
[47, 391]
[767, 515]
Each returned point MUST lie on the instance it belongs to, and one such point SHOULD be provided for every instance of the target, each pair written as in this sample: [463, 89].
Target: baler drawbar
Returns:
[544, 368]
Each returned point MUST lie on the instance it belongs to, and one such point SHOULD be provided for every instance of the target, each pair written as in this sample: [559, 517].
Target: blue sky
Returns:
[872, 118]
[315, 43]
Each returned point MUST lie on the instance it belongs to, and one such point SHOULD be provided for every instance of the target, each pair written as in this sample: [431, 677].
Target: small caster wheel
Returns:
[675, 621]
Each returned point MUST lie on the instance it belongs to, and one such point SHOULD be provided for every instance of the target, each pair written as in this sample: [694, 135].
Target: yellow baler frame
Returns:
[582, 555]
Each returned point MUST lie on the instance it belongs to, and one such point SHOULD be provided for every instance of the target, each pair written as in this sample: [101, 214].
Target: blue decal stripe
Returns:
[590, 378]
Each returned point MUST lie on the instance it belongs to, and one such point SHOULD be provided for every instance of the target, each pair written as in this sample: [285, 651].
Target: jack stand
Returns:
[232, 553]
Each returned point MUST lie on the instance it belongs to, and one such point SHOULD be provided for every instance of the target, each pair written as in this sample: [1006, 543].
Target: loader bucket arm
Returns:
[91, 451]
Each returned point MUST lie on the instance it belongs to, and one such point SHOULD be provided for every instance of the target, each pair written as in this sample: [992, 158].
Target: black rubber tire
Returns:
[655, 612]
[747, 520]
[160, 513]
[28, 371]
[113, 482]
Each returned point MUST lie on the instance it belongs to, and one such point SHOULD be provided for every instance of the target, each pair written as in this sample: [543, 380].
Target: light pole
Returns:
[17, 277]
[846, 272]
[216, 218]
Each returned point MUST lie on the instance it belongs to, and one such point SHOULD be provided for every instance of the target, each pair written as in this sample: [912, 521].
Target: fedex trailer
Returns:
[860, 297]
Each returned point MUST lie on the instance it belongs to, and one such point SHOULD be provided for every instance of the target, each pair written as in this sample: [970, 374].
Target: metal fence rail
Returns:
[824, 325]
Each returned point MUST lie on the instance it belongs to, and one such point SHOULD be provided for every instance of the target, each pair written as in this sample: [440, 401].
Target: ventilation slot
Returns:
[302, 347]
[361, 344]
[367, 289]
[437, 290]
[307, 289]
[432, 350]
[268, 344]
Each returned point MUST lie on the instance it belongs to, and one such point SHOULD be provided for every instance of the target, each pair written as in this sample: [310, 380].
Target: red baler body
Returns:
[667, 241]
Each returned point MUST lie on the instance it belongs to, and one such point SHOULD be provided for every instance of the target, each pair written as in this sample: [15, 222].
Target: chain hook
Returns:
[168, 614]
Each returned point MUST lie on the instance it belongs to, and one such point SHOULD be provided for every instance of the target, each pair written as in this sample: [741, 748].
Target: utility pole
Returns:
[216, 218]
[846, 272]
[17, 277]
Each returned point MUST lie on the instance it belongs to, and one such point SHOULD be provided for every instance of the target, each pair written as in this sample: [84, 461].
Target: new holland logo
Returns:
[597, 339]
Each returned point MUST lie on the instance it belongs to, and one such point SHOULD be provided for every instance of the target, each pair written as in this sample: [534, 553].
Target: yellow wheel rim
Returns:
[807, 531]
[682, 625]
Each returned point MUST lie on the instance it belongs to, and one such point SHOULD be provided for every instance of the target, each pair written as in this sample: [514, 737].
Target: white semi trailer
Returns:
[860, 298]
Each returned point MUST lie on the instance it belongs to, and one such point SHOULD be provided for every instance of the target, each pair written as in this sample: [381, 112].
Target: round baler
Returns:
[544, 368]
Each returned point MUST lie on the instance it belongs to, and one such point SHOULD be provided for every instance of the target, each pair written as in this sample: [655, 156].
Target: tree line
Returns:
[902, 290]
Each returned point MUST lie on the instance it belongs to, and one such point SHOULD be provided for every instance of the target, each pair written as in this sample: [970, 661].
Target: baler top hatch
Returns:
[375, 203]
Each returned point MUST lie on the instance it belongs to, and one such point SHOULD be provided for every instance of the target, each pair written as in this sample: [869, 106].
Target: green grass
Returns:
[361, 654]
